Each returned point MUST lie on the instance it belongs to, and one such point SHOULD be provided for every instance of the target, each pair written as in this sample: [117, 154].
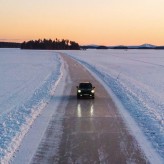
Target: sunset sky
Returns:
[105, 22]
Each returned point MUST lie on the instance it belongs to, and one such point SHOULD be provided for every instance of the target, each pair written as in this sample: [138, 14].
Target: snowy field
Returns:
[29, 78]
[27, 81]
[136, 79]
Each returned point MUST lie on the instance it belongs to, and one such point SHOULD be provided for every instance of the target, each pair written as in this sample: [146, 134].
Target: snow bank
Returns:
[26, 87]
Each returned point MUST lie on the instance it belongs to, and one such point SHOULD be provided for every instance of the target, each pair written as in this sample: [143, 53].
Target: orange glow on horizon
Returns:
[86, 22]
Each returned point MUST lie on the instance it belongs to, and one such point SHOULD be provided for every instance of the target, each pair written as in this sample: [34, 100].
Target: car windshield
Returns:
[85, 86]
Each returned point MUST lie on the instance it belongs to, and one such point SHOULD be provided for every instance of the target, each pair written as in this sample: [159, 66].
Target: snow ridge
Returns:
[15, 124]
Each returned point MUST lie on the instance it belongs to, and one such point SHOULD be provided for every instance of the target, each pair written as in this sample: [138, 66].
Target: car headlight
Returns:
[92, 91]
[79, 91]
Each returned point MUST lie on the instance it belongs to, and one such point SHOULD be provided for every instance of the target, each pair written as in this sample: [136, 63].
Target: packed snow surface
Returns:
[27, 81]
[136, 78]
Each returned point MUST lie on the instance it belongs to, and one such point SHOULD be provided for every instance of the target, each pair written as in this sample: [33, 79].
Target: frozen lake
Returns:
[26, 81]
[27, 78]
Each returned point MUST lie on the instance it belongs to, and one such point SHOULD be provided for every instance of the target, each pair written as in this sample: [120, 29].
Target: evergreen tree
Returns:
[51, 45]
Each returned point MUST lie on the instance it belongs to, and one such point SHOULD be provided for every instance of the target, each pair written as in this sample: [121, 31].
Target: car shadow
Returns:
[65, 97]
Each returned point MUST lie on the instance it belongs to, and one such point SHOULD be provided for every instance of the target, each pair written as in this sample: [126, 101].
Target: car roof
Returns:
[85, 83]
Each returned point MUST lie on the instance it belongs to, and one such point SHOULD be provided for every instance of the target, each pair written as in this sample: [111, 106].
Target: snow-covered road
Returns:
[93, 131]
[136, 78]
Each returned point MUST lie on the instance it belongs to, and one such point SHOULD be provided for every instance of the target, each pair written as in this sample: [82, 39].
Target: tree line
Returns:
[9, 45]
[48, 44]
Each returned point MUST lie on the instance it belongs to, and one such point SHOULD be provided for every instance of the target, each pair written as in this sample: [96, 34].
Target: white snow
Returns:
[135, 79]
[27, 79]
[31, 141]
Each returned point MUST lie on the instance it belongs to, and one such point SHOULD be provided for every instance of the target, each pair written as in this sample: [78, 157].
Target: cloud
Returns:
[9, 40]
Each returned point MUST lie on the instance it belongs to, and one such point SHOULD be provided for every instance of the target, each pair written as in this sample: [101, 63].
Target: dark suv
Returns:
[85, 90]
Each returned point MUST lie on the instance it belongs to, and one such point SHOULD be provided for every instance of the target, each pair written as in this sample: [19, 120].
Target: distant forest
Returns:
[50, 44]
[9, 45]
